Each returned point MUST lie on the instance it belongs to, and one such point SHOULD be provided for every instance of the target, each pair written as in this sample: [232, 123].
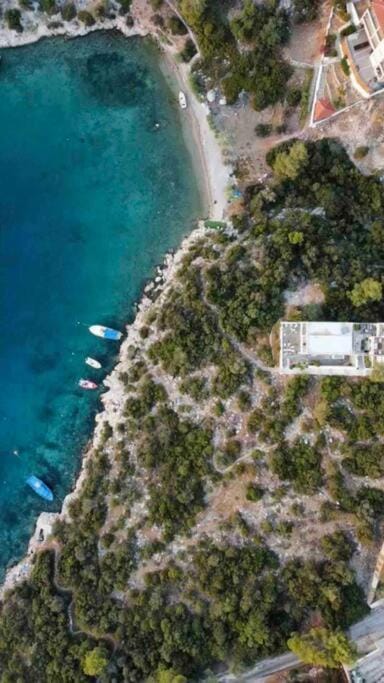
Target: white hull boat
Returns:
[182, 100]
[87, 384]
[93, 363]
[105, 332]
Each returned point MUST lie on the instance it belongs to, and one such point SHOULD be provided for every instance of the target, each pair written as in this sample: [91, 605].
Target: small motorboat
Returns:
[39, 487]
[87, 384]
[182, 100]
[105, 332]
[93, 363]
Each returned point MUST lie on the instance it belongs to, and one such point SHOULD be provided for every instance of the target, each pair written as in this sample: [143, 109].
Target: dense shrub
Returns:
[13, 19]
[48, 6]
[176, 26]
[86, 17]
[300, 464]
[188, 51]
[68, 11]
[263, 129]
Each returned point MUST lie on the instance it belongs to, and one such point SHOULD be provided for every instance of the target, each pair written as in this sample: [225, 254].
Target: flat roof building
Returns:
[329, 338]
[331, 348]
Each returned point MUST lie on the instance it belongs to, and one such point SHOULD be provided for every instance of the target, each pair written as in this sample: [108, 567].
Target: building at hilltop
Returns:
[372, 20]
[364, 49]
[331, 348]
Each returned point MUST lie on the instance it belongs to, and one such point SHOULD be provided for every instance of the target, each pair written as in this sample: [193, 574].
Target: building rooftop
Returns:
[378, 9]
[329, 338]
[331, 348]
[323, 109]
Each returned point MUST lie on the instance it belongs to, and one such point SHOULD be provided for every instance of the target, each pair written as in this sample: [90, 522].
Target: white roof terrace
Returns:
[329, 339]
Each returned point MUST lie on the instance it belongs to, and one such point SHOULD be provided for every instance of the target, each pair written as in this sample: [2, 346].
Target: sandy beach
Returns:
[214, 181]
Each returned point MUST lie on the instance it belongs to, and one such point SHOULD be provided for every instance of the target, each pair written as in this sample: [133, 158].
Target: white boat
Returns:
[87, 384]
[105, 332]
[182, 100]
[93, 363]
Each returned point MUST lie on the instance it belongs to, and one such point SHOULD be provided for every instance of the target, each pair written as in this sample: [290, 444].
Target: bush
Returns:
[300, 464]
[254, 493]
[48, 6]
[361, 152]
[305, 10]
[156, 4]
[13, 19]
[232, 87]
[86, 17]
[323, 648]
[262, 130]
[188, 51]
[125, 6]
[244, 400]
[176, 26]
[348, 30]
[294, 97]
[68, 11]
[345, 66]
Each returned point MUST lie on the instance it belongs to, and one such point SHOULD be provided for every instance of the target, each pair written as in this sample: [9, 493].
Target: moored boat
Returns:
[93, 363]
[182, 100]
[87, 384]
[105, 332]
[39, 487]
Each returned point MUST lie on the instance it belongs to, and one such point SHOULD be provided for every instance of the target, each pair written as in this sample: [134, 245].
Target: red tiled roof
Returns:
[378, 9]
[323, 109]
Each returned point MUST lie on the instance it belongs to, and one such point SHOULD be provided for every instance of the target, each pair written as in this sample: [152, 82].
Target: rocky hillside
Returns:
[223, 506]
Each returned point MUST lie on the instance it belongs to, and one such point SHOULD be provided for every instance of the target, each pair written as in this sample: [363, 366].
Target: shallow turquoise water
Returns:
[92, 195]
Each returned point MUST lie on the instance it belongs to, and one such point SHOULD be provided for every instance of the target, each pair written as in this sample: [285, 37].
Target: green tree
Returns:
[13, 19]
[365, 291]
[167, 676]
[95, 661]
[86, 17]
[193, 11]
[289, 164]
[377, 374]
[295, 237]
[323, 647]
[68, 11]
[321, 411]
[48, 6]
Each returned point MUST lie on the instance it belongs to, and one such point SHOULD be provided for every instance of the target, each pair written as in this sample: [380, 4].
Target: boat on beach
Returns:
[39, 487]
[87, 384]
[182, 100]
[93, 363]
[105, 332]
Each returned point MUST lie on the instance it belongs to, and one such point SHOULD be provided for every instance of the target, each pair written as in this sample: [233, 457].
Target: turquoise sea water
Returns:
[96, 185]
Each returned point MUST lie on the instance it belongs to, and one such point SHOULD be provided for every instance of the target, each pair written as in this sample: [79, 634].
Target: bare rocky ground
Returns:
[227, 507]
[360, 126]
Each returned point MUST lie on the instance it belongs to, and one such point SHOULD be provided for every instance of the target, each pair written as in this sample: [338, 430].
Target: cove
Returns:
[96, 185]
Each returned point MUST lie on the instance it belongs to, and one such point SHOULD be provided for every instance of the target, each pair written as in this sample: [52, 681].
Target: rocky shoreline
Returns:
[216, 176]
[113, 403]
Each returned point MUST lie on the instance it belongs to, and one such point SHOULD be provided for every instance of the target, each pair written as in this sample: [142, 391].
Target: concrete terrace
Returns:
[331, 348]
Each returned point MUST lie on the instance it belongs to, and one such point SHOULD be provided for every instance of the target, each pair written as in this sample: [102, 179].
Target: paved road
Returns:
[372, 625]
[266, 667]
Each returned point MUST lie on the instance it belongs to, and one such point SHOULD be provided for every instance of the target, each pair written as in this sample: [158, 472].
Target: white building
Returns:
[373, 21]
[331, 348]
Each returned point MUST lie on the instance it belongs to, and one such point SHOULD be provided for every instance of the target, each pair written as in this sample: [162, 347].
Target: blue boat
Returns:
[39, 487]
[105, 332]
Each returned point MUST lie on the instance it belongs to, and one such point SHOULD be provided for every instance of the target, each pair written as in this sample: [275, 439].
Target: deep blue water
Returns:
[92, 194]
